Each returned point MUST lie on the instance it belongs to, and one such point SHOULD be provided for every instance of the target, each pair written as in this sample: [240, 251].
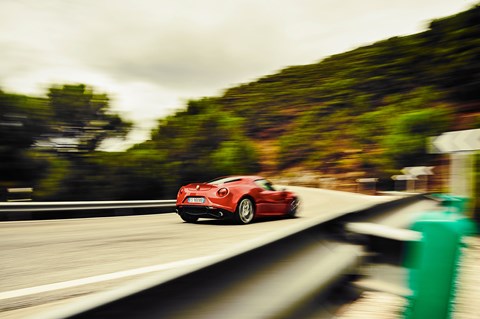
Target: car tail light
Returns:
[222, 192]
[180, 191]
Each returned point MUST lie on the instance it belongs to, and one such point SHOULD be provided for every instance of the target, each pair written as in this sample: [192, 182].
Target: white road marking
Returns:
[96, 279]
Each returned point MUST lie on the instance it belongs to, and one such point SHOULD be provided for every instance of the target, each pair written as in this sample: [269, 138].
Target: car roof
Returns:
[239, 177]
[248, 177]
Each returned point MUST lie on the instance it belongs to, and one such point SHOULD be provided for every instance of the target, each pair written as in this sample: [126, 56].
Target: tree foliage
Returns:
[202, 142]
[82, 118]
[406, 141]
[22, 120]
[33, 129]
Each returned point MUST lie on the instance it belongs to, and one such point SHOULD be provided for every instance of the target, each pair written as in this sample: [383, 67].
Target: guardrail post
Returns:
[433, 261]
[367, 185]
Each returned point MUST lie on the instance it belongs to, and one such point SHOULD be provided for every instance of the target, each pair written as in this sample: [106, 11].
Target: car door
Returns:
[272, 201]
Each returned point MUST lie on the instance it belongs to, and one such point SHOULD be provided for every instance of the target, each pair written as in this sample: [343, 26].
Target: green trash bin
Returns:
[433, 262]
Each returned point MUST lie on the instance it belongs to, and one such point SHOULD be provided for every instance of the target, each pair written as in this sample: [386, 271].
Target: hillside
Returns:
[443, 59]
[368, 110]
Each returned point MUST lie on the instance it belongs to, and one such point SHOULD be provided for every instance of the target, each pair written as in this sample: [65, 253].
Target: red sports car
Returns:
[239, 197]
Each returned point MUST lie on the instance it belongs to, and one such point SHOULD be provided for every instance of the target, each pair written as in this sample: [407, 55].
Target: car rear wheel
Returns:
[293, 207]
[245, 211]
[188, 218]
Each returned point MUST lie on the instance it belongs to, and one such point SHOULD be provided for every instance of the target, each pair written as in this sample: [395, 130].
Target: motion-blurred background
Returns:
[366, 112]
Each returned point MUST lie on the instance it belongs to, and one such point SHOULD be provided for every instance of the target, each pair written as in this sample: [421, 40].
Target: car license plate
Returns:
[196, 200]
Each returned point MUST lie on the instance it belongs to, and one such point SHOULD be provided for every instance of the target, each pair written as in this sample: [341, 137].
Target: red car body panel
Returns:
[268, 202]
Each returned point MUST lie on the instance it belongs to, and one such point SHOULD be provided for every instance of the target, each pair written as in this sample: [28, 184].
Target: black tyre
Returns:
[293, 208]
[188, 218]
[245, 211]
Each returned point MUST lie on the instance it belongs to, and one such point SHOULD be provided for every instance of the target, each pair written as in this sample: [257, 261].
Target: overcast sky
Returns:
[151, 56]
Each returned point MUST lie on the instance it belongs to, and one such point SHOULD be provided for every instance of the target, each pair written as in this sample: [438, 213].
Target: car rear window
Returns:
[224, 180]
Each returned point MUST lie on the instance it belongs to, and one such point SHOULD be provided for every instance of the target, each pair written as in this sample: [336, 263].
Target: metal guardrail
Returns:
[10, 211]
[297, 273]
[61, 206]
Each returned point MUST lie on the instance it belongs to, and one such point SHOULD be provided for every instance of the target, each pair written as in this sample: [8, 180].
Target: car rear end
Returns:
[203, 200]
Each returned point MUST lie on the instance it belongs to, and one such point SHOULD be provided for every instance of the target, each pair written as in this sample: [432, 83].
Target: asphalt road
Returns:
[72, 252]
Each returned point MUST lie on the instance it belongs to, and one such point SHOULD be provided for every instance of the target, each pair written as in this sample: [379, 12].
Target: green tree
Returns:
[22, 120]
[234, 157]
[82, 119]
[202, 142]
[406, 143]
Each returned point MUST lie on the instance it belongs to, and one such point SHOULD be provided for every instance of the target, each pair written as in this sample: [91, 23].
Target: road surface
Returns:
[51, 262]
